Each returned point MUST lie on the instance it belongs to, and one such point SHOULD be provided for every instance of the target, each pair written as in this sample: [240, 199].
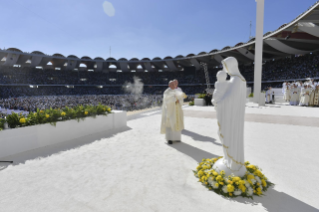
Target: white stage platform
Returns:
[137, 170]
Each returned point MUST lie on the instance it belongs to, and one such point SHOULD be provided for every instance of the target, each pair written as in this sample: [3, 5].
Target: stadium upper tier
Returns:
[300, 36]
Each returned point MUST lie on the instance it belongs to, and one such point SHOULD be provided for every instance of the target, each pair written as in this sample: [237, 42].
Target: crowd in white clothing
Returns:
[301, 93]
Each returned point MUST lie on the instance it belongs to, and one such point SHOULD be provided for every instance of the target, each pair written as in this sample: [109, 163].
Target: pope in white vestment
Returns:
[172, 114]
[231, 101]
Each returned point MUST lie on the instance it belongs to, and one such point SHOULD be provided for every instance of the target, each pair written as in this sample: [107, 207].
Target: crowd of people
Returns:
[119, 102]
[26, 75]
[301, 93]
[293, 68]
[290, 68]
[52, 84]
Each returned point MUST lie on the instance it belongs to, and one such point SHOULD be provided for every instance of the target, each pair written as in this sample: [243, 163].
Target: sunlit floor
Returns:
[136, 170]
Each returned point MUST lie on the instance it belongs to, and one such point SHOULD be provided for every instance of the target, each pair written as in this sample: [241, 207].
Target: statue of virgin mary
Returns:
[230, 101]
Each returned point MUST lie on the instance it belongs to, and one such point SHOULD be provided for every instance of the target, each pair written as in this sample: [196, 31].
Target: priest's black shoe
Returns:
[170, 142]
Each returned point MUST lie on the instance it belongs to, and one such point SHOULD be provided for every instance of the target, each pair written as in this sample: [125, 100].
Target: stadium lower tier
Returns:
[43, 90]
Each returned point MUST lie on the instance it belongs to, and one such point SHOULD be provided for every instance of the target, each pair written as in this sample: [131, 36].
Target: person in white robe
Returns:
[314, 97]
[231, 102]
[283, 90]
[171, 124]
[179, 105]
[295, 93]
[302, 94]
[305, 95]
[287, 93]
[269, 96]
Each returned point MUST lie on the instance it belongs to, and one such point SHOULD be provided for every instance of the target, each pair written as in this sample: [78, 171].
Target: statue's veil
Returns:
[231, 67]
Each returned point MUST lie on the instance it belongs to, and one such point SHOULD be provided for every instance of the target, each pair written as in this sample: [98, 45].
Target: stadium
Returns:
[85, 133]
[293, 43]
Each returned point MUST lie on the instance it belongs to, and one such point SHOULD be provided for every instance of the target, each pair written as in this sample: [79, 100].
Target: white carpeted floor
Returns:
[137, 171]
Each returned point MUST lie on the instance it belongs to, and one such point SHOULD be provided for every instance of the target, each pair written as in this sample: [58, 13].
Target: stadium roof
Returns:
[300, 36]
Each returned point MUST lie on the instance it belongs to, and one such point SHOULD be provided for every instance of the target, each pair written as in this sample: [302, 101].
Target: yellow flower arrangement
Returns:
[85, 113]
[263, 183]
[22, 120]
[230, 188]
[63, 114]
[47, 116]
[108, 109]
[236, 179]
[251, 167]
[258, 173]
[250, 177]
[259, 192]
[41, 111]
[253, 179]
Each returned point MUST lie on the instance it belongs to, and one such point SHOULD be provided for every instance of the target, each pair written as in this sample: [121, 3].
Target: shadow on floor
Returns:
[275, 201]
[198, 137]
[194, 152]
[52, 149]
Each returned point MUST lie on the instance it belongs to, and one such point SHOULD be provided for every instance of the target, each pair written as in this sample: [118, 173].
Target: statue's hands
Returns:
[177, 102]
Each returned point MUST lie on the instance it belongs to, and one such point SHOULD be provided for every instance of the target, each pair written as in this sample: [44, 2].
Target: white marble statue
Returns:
[230, 99]
[220, 88]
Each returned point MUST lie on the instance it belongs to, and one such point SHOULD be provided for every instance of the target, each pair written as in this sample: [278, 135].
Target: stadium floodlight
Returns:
[69, 86]
[133, 70]
[33, 86]
[146, 71]
[99, 86]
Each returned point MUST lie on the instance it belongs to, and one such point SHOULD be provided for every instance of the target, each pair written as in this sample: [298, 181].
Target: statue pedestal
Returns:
[219, 166]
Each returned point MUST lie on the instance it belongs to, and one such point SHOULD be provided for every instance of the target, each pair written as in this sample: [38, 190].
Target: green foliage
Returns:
[54, 115]
[191, 103]
[2, 121]
[201, 95]
[13, 120]
[251, 95]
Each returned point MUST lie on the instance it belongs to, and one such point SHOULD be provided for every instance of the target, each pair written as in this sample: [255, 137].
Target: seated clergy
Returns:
[269, 95]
